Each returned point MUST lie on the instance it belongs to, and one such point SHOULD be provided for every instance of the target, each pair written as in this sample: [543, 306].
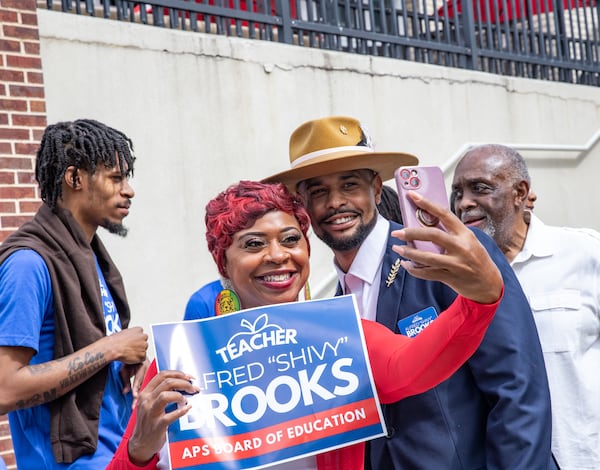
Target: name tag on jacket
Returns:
[414, 324]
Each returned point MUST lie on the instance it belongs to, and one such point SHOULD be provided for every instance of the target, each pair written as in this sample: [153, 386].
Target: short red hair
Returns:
[239, 206]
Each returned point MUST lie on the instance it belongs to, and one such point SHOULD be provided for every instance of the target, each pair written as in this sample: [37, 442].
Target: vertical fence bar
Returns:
[285, 30]
[468, 26]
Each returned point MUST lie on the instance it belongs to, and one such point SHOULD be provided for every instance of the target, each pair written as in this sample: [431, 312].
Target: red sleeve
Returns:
[120, 460]
[349, 458]
[405, 366]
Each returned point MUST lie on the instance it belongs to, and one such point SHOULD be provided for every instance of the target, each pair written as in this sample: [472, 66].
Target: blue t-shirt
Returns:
[202, 302]
[27, 320]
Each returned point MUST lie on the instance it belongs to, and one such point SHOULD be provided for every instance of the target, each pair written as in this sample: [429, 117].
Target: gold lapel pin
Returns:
[393, 272]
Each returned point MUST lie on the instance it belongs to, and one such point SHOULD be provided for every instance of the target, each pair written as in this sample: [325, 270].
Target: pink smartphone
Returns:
[429, 182]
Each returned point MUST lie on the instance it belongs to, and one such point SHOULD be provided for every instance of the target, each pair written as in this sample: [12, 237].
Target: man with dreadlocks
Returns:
[66, 355]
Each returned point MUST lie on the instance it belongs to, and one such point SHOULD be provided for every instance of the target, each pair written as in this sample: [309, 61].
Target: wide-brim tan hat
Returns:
[332, 144]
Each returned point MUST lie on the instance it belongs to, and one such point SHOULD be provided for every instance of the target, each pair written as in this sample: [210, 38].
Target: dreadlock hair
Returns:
[85, 144]
[389, 207]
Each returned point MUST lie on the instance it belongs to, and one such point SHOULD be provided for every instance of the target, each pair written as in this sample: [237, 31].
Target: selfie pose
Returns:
[257, 235]
[494, 412]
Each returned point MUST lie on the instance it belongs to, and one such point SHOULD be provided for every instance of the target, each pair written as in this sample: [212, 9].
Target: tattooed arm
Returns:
[24, 386]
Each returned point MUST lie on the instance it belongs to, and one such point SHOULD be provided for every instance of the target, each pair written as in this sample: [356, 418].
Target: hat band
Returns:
[320, 153]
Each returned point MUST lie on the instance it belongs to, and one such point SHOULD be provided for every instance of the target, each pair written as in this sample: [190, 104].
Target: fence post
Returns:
[285, 30]
[467, 22]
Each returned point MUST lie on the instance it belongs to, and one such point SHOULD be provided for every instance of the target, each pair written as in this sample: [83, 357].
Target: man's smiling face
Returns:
[484, 196]
[342, 206]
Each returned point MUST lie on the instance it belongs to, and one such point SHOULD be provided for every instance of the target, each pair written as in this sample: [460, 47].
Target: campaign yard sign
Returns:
[278, 383]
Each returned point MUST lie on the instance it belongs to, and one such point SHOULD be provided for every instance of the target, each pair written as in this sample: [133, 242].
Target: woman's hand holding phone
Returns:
[461, 262]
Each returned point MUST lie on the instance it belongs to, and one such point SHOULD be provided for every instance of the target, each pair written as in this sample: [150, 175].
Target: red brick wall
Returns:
[6, 451]
[22, 121]
[22, 112]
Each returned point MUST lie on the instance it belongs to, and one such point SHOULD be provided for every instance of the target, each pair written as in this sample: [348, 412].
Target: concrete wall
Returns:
[205, 111]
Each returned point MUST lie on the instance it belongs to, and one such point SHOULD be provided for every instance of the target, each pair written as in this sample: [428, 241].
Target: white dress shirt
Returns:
[559, 269]
[367, 267]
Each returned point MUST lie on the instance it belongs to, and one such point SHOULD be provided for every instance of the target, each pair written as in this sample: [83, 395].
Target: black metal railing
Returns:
[554, 40]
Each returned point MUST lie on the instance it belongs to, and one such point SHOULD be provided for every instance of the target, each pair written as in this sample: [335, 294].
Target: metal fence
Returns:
[554, 40]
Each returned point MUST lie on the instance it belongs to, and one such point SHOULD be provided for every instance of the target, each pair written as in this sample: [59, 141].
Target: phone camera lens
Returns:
[405, 174]
[415, 182]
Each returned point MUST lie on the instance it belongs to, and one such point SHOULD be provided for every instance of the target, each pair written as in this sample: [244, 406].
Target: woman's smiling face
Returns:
[267, 263]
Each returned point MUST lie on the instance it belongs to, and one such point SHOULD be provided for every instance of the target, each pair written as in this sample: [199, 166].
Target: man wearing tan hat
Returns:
[494, 412]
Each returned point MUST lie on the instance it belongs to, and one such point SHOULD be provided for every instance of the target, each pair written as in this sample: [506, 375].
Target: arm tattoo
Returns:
[37, 399]
[37, 369]
[80, 368]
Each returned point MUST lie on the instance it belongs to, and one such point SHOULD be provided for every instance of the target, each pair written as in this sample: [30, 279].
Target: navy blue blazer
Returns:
[494, 412]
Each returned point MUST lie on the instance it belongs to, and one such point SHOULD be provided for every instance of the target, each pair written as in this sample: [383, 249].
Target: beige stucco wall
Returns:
[205, 111]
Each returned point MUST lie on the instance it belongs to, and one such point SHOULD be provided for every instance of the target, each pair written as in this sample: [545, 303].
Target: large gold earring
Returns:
[227, 301]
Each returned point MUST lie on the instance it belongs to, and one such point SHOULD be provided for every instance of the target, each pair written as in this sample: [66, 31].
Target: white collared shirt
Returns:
[559, 269]
[367, 267]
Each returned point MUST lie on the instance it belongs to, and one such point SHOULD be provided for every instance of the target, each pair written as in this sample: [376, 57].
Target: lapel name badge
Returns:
[414, 324]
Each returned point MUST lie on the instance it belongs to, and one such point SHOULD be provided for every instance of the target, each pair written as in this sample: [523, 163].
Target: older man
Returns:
[494, 412]
[559, 269]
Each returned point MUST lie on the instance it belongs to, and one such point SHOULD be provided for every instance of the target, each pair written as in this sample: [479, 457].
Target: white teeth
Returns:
[341, 220]
[277, 277]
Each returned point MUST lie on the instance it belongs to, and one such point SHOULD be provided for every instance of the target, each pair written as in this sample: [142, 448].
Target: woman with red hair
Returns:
[235, 209]
[257, 235]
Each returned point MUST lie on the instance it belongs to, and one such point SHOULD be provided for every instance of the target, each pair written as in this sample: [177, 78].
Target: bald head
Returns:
[489, 190]
[512, 162]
